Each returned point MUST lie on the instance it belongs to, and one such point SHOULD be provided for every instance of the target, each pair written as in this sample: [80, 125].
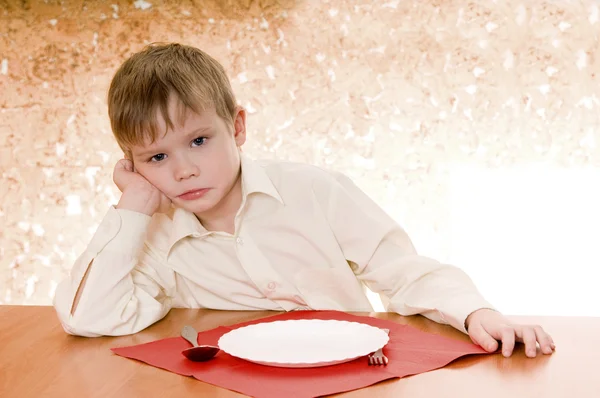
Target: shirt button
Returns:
[239, 241]
[271, 286]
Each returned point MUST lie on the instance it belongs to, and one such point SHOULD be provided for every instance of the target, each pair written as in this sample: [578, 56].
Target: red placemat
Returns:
[410, 351]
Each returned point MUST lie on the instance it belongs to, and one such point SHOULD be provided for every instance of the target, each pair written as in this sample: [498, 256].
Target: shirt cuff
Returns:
[455, 312]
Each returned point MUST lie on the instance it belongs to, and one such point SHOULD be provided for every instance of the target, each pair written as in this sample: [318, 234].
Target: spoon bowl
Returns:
[197, 353]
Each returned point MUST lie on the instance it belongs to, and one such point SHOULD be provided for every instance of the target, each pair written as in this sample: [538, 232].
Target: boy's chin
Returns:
[196, 206]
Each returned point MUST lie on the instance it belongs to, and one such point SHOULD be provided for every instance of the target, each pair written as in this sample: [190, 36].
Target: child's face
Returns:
[199, 153]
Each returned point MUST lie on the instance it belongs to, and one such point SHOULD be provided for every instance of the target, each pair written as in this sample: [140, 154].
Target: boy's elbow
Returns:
[82, 322]
[78, 325]
[68, 324]
[119, 316]
[69, 329]
[62, 306]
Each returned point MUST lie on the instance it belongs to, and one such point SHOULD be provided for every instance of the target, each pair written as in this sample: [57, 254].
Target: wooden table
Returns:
[37, 359]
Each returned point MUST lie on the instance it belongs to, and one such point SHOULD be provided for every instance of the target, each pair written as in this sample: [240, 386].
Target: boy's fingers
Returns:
[479, 336]
[120, 176]
[128, 164]
[546, 343]
[529, 339]
[508, 341]
[124, 164]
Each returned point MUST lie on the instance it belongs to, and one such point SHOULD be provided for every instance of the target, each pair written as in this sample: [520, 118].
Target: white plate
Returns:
[303, 343]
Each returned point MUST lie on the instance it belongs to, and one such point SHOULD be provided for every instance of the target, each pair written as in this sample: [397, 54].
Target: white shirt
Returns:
[305, 238]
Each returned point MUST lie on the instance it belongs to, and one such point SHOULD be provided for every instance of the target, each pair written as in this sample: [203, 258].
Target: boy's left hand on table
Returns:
[487, 327]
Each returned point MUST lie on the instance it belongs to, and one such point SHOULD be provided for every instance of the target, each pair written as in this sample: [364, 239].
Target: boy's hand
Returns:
[486, 327]
[138, 193]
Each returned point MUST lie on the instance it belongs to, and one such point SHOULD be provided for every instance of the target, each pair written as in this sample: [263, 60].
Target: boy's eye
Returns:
[158, 158]
[199, 141]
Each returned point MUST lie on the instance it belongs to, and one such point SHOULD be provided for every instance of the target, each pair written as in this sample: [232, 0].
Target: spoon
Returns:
[197, 353]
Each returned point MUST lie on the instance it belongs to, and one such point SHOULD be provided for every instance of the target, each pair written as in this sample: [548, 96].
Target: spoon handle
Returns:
[190, 334]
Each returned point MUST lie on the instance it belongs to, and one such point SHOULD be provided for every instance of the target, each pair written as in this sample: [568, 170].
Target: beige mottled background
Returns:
[474, 123]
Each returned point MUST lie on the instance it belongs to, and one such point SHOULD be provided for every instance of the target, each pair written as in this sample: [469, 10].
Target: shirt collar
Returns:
[255, 180]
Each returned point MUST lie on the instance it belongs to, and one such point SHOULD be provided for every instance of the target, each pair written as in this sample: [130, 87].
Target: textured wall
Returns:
[400, 95]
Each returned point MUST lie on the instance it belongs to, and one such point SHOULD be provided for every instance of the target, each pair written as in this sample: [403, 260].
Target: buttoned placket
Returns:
[259, 270]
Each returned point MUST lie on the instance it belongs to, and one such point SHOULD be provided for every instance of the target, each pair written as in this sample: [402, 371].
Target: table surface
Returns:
[38, 359]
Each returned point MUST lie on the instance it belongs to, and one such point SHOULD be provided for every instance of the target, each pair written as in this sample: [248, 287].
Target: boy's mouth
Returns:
[193, 194]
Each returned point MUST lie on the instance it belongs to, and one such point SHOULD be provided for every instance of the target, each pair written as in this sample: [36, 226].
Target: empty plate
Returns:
[303, 343]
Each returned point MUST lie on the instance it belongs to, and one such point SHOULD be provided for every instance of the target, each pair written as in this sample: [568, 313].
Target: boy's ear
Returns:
[239, 126]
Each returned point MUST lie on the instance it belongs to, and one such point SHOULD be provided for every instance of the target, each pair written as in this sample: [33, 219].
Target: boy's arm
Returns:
[114, 287]
[388, 263]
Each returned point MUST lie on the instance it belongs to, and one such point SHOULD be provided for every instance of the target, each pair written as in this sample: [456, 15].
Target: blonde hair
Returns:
[144, 83]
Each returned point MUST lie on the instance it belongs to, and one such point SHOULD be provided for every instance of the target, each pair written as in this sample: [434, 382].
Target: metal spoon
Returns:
[197, 353]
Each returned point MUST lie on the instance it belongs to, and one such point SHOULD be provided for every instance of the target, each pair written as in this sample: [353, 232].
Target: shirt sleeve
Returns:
[387, 262]
[123, 293]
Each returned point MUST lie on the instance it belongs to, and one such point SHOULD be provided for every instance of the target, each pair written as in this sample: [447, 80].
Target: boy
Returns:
[200, 225]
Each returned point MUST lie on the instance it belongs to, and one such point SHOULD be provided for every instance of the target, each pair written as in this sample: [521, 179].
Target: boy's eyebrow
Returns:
[198, 130]
[191, 133]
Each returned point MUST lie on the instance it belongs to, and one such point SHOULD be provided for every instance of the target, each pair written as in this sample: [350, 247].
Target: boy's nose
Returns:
[186, 169]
